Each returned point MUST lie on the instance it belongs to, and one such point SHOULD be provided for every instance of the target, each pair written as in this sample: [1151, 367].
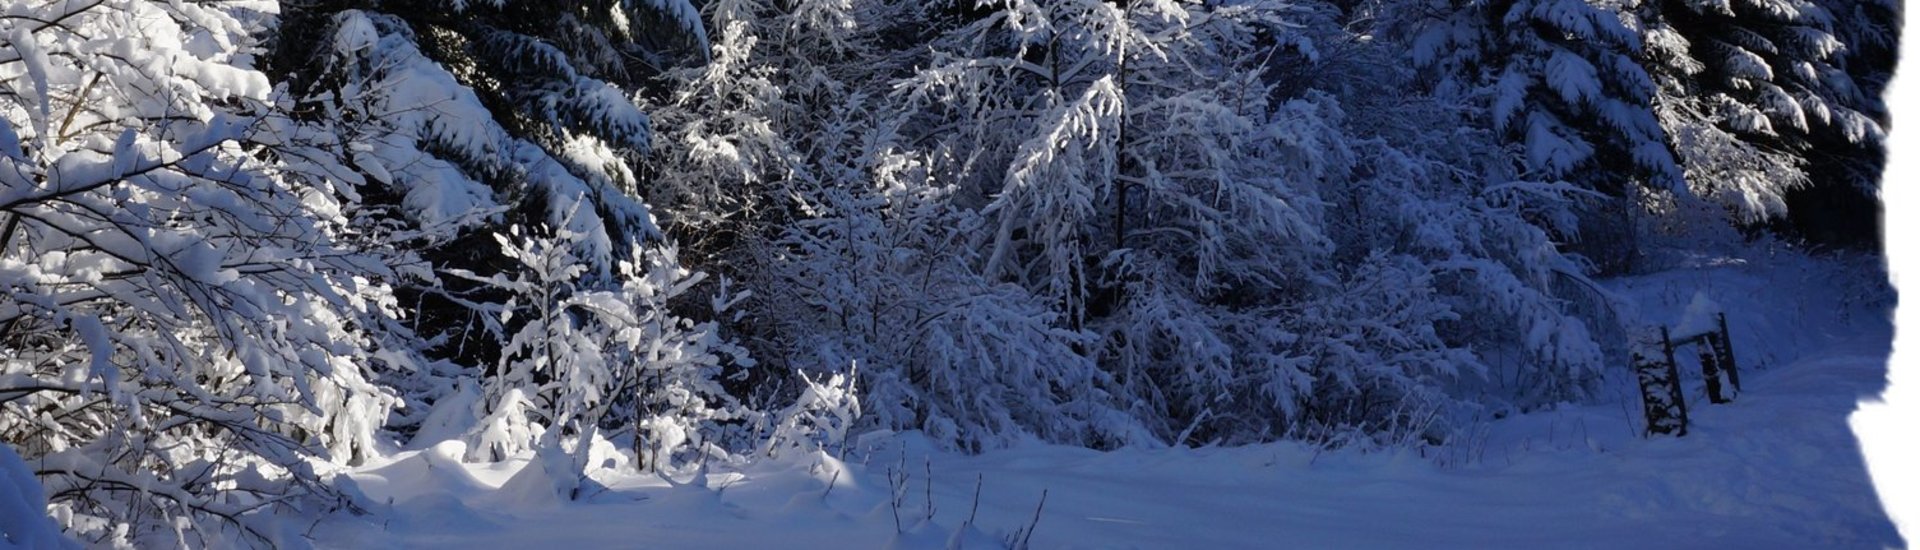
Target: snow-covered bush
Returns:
[976, 364]
[574, 350]
[189, 321]
[820, 419]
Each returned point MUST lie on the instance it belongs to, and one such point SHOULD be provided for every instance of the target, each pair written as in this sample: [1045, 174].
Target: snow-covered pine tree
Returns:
[1842, 206]
[1750, 90]
[552, 368]
[1562, 81]
[474, 116]
[463, 120]
[1425, 205]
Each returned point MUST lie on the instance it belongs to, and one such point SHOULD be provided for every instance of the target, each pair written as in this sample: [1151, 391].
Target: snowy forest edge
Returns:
[248, 246]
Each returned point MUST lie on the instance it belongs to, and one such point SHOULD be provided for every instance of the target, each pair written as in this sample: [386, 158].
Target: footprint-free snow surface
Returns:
[1777, 468]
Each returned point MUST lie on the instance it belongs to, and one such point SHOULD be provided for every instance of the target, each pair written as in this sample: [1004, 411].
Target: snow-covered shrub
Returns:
[974, 363]
[673, 370]
[821, 418]
[1377, 364]
[552, 367]
[574, 350]
[189, 321]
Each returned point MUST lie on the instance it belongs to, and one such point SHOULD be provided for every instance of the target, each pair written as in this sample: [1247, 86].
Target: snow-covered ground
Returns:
[1777, 468]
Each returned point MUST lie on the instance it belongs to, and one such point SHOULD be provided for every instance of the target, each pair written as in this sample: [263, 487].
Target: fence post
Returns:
[1723, 346]
[1710, 367]
[1666, 409]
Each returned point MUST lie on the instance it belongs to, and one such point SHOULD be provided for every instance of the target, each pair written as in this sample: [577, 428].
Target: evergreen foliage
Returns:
[245, 245]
